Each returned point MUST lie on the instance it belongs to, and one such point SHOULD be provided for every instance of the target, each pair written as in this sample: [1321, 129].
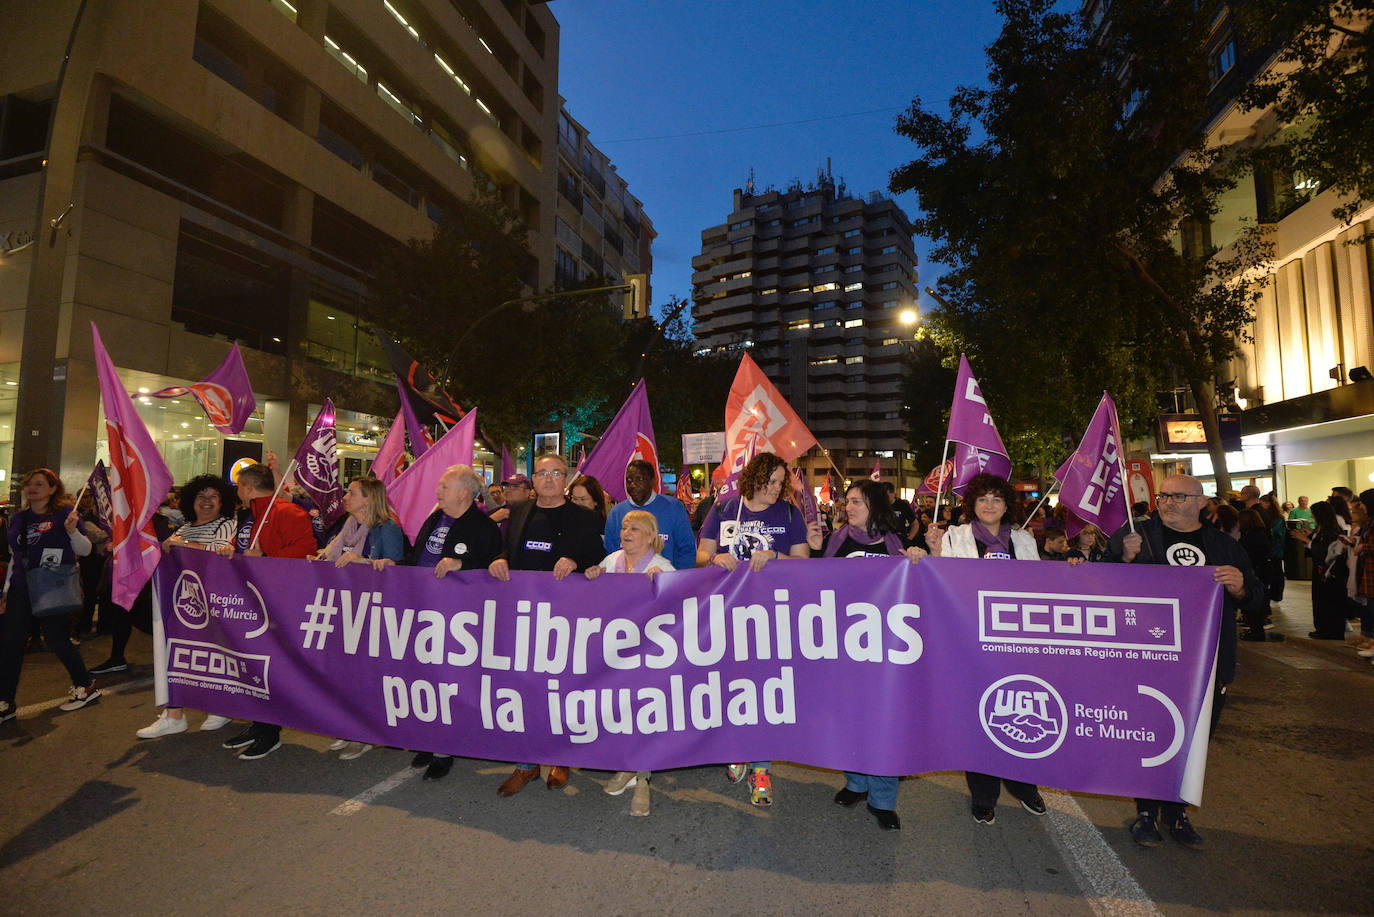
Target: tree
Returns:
[1055, 194]
[1320, 94]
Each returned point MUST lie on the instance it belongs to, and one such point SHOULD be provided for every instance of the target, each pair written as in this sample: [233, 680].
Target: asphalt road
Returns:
[95, 821]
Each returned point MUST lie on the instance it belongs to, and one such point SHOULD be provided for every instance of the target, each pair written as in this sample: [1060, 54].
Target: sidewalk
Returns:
[1293, 619]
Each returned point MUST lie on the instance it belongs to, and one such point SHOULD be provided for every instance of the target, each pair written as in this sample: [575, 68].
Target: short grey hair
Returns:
[467, 479]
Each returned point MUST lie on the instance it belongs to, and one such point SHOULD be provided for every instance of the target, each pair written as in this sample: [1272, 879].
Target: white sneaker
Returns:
[621, 782]
[79, 697]
[164, 725]
[361, 749]
[215, 721]
[337, 744]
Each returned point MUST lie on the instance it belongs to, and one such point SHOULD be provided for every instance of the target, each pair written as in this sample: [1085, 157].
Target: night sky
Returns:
[686, 97]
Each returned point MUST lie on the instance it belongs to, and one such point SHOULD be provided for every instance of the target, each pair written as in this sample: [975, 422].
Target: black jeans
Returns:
[14, 625]
[985, 788]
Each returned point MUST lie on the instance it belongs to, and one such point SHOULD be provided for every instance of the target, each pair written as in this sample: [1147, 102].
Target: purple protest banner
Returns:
[1092, 482]
[317, 465]
[1096, 678]
[225, 394]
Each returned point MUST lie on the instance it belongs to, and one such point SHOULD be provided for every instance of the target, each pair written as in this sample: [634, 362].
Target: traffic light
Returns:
[637, 296]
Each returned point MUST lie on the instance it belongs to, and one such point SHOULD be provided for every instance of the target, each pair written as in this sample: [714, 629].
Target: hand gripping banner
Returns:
[1095, 678]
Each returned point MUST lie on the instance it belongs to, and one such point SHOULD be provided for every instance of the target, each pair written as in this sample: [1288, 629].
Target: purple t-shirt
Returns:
[777, 528]
[433, 550]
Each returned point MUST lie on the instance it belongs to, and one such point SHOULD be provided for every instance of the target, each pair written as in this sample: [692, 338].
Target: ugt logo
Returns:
[189, 602]
[1024, 716]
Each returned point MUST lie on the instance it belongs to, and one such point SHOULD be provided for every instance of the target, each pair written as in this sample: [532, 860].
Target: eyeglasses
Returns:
[1174, 498]
[549, 474]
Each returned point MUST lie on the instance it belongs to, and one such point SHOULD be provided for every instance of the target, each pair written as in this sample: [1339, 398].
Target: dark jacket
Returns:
[581, 541]
[479, 537]
[1221, 550]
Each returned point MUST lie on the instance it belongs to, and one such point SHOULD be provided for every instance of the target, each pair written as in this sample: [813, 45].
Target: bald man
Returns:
[1178, 537]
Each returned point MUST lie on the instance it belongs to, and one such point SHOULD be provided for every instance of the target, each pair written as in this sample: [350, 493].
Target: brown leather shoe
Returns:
[558, 777]
[516, 781]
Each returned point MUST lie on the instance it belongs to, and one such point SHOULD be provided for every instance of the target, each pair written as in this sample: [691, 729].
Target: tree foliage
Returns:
[1054, 194]
[1319, 89]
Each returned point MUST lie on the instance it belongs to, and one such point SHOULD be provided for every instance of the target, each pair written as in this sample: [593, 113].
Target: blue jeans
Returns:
[882, 791]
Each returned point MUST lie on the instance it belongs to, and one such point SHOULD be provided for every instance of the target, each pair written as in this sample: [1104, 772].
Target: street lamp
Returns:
[909, 317]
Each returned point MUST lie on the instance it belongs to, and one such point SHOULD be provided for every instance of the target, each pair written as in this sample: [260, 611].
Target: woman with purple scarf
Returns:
[871, 531]
[990, 502]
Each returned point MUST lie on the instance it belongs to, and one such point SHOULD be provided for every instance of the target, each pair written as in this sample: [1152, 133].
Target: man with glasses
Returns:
[1178, 537]
[550, 534]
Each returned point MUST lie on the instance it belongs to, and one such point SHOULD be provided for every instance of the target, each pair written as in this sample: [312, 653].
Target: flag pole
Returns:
[1031, 514]
[940, 481]
[1121, 465]
[290, 466]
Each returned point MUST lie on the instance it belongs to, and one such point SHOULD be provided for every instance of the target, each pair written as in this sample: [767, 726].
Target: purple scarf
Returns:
[622, 562]
[832, 547]
[1001, 540]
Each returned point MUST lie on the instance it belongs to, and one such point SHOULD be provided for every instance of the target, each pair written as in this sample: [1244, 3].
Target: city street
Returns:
[97, 821]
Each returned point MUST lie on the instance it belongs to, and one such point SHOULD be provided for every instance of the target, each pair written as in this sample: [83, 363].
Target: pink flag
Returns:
[412, 494]
[802, 496]
[507, 466]
[1091, 483]
[390, 460]
[225, 394]
[139, 479]
[971, 425]
[877, 474]
[630, 436]
[317, 465]
[581, 458]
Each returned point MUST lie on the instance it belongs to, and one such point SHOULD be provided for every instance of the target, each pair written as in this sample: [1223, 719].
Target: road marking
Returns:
[1106, 883]
[372, 793]
[35, 709]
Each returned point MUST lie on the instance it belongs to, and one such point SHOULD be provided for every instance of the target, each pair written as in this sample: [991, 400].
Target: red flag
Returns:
[758, 417]
[826, 495]
[684, 487]
[139, 479]
[877, 474]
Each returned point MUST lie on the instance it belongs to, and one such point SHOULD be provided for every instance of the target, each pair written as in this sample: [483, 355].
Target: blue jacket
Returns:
[679, 544]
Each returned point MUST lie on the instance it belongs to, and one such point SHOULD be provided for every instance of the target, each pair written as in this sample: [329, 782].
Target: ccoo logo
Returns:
[1024, 716]
[189, 602]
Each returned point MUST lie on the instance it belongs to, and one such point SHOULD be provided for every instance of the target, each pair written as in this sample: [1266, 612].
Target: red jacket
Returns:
[288, 532]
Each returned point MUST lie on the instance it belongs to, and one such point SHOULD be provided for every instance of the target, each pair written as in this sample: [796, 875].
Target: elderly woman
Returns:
[640, 552]
[755, 527]
[871, 532]
[989, 503]
[207, 503]
[42, 536]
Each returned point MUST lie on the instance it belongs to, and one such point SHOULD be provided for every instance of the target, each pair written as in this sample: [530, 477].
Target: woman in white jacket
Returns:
[989, 502]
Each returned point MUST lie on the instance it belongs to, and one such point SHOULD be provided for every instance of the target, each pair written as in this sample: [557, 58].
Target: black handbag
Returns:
[54, 591]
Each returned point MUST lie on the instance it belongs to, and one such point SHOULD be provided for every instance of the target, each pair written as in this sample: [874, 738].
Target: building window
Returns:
[890, 285]
[824, 287]
[826, 304]
[851, 233]
[888, 342]
[853, 268]
[852, 360]
[828, 250]
[742, 224]
[825, 361]
[854, 322]
[798, 326]
[853, 287]
[825, 269]
[343, 57]
[888, 250]
[1220, 61]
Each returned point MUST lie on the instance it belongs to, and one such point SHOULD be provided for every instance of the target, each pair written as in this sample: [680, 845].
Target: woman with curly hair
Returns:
[208, 504]
[990, 505]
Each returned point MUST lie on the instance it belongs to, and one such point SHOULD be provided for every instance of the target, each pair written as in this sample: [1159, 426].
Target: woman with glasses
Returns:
[754, 527]
[207, 503]
[990, 506]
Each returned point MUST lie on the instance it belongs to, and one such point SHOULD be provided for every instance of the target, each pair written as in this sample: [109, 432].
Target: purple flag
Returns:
[507, 466]
[630, 436]
[1093, 679]
[412, 494]
[419, 436]
[99, 486]
[390, 459]
[971, 425]
[802, 496]
[317, 466]
[225, 394]
[139, 480]
[1090, 479]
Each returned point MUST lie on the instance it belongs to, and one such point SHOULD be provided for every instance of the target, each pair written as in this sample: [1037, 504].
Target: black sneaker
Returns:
[984, 815]
[108, 666]
[1144, 832]
[1033, 803]
[422, 759]
[438, 768]
[847, 797]
[242, 740]
[261, 747]
[1182, 831]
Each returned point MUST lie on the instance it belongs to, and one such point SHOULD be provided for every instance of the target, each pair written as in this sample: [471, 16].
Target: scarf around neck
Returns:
[837, 538]
[985, 537]
[622, 562]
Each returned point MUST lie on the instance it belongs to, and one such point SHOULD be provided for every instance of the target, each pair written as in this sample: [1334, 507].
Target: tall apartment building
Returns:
[229, 170]
[820, 288]
[1302, 379]
[600, 228]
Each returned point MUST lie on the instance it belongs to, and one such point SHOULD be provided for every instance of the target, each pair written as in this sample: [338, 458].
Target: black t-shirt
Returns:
[853, 548]
[1184, 549]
